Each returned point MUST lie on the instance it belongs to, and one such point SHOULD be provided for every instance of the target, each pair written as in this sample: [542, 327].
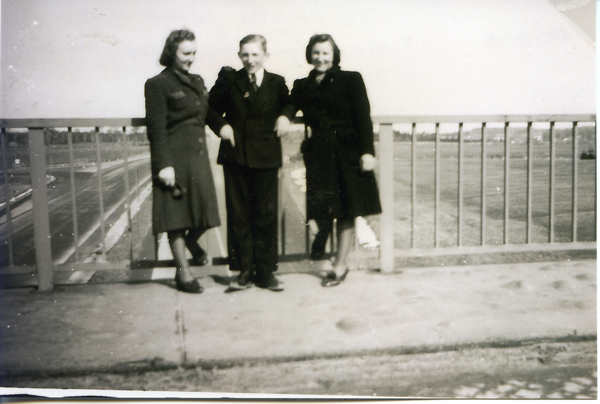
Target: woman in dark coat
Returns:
[339, 156]
[184, 197]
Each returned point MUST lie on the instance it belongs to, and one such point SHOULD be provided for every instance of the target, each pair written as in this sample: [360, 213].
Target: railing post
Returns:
[551, 184]
[7, 199]
[483, 185]
[73, 193]
[41, 219]
[460, 186]
[506, 182]
[306, 224]
[100, 195]
[574, 182]
[127, 191]
[529, 206]
[436, 222]
[280, 210]
[386, 191]
[413, 183]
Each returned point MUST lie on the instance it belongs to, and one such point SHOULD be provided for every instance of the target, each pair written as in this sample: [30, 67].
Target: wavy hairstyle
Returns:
[320, 38]
[172, 43]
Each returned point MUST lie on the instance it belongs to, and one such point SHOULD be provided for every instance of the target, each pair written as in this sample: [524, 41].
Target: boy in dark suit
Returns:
[257, 111]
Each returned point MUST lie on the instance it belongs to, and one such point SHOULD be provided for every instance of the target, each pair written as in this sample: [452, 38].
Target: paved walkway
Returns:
[148, 324]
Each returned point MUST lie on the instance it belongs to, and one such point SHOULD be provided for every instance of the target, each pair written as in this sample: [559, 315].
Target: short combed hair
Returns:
[172, 43]
[320, 38]
[254, 38]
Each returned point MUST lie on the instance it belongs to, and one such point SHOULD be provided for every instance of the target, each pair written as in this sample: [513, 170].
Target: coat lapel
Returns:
[187, 80]
[243, 84]
[263, 92]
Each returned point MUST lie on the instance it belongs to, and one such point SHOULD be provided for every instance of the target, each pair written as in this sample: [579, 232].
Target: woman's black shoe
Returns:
[331, 279]
[192, 286]
[200, 260]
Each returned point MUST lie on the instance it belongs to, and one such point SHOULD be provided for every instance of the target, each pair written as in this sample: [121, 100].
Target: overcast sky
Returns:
[90, 58]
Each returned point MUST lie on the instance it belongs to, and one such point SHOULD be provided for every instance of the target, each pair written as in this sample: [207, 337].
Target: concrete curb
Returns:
[157, 364]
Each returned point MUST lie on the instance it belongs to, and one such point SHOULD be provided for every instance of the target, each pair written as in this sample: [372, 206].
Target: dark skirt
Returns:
[197, 207]
[335, 185]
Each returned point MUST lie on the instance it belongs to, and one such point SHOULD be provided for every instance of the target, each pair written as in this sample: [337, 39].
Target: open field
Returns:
[494, 182]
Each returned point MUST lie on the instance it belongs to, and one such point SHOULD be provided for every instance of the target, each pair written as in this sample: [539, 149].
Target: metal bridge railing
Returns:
[388, 183]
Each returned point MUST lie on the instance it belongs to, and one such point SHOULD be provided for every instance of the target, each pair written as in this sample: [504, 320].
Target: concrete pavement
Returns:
[148, 324]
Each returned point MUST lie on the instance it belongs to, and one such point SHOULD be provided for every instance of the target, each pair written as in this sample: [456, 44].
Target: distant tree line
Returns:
[585, 135]
[53, 136]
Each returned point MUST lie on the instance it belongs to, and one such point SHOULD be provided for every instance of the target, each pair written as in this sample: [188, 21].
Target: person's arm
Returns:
[217, 102]
[361, 116]
[288, 111]
[156, 125]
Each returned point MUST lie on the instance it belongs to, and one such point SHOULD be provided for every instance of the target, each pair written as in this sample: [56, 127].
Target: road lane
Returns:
[61, 223]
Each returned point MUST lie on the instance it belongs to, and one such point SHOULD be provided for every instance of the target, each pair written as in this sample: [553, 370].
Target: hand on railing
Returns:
[226, 133]
[367, 162]
[282, 126]
[167, 176]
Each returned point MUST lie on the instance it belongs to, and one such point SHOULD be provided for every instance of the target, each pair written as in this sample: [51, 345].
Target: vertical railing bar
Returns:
[7, 199]
[483, 187]
[41, 216]
[100, 194]
[436, 224]
[506, 182]
[127, 191]
[306, 224]
[595, 182]
[529, 206]
[283, 232]
[551, 185]
[386, 191]
[413, 182]
[575, 193]
[280, 209]
[460, 184]
[333, 236]
[73, 192]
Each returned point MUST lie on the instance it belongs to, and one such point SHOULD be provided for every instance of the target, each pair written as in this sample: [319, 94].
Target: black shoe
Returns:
[200, 260]
[192, 286]
[243, 281]
[331, 279]
[271, 283]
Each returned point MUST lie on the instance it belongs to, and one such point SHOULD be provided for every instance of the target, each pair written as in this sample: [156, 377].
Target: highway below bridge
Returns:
[61, 211]
[115, 202]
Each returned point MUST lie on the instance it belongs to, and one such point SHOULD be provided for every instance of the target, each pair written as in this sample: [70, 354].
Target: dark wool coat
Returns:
[338, 112]
[252, 117]
[176, 111]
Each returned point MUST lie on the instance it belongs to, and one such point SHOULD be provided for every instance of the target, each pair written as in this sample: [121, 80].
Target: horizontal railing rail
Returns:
[387, 182]
[380, 119]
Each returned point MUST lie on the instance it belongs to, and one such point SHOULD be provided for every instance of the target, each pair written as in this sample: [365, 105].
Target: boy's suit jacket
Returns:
[252, 117]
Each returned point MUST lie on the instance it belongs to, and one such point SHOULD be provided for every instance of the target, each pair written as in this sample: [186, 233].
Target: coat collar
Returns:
[329, 75]
[189, 80]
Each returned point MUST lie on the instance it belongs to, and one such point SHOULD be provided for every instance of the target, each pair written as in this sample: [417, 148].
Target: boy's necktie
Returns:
[253, 83]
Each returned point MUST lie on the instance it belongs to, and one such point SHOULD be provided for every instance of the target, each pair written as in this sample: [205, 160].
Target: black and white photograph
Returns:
[298, 200]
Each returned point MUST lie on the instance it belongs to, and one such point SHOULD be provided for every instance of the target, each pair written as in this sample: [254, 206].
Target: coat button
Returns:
[200, 140]
[198, 103]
